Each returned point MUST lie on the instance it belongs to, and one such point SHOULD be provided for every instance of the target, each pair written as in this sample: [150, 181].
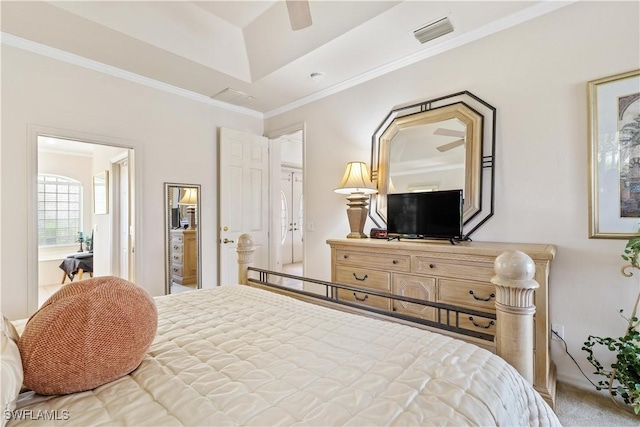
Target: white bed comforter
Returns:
[242, 356]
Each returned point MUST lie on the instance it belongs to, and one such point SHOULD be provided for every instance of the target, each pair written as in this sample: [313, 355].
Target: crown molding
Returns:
[80, 61]
[509, 21]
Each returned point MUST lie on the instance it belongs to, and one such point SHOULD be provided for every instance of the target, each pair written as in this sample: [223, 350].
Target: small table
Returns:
[77, 264]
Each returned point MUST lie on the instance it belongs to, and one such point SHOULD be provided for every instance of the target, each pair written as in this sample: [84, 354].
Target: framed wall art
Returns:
[614, 156]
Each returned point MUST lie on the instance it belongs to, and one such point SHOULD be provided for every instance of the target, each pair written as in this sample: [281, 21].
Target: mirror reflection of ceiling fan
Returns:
[299, 14]
[450, 132]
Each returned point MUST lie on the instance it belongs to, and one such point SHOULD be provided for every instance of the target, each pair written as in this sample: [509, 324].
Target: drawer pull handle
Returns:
[175, 270]
[491, 323]
[345, 256]
[395, 261]
[432, 266]
[360, 299]
[360, 279]
[176, 257]
[175, 248]
[481, 299]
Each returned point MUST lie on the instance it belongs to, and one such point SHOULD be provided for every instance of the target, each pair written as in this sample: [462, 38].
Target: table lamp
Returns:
[357, 184]
[190, 198]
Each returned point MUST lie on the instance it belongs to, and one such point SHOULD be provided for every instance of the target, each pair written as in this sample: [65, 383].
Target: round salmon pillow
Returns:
[87, 334]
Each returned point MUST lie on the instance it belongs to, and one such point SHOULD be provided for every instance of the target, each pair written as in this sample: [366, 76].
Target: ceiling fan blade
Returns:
[449, 132]
[299, 14]
[450, 145]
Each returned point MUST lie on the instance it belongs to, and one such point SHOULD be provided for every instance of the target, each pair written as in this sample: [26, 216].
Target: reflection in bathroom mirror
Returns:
[182, 237]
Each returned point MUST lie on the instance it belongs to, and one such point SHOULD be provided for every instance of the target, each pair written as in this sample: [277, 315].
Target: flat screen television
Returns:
[175, 218]
[433, 214]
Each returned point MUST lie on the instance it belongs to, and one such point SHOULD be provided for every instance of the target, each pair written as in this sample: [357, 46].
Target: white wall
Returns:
[535, 75]
[175, 140]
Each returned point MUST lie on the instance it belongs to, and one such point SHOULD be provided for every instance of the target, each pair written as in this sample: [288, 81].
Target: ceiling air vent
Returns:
[233, 96]
[433, 30]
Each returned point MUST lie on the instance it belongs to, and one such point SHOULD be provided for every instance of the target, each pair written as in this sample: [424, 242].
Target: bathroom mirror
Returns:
[182, 237]
[441, 144]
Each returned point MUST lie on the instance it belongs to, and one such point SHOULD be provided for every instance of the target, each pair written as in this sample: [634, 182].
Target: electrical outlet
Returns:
[559, 329]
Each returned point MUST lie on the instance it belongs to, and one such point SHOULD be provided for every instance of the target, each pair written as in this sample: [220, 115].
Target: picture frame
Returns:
[101, 193]
[614, 156]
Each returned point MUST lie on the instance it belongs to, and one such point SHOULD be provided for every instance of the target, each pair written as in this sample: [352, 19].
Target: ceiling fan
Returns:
[450, 145]
[299, 14]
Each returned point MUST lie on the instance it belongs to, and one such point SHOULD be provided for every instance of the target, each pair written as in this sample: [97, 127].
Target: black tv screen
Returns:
[175, 217]
[433, 214]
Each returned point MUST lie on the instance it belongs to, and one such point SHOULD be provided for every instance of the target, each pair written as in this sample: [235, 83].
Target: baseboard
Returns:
[581, 383]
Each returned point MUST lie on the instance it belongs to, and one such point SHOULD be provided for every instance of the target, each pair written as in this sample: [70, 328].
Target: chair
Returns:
[78, 263]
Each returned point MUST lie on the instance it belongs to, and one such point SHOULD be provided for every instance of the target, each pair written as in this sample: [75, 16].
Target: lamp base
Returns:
[356, 235]
[191, 211]
[357, 214]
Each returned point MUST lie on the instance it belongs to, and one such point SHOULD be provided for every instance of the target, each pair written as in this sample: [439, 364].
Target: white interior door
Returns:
[291, 216]
[244, 199]
[286, 216]
[298, 217]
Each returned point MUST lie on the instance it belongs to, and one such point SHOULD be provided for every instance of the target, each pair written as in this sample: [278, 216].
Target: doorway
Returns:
[291, 214]
[288, 204]
[82, 211]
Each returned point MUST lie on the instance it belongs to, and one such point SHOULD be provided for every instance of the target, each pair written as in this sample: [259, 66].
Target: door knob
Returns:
[227, 241]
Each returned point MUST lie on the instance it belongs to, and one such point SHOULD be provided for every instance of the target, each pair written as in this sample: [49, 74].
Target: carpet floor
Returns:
[586, 408]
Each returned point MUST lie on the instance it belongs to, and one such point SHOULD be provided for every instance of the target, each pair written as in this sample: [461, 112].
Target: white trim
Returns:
[61, 55]
[33, 131]
[509, 21]
[579, 382]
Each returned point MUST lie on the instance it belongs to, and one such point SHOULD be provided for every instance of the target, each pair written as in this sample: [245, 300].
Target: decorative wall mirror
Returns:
[442, 144]
[182, 237]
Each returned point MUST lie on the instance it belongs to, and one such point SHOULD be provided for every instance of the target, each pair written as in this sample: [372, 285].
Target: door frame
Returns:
[33, 132]
[275, 262]
[116, 224]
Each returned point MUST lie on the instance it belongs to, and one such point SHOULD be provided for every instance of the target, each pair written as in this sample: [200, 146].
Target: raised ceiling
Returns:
[204, 47]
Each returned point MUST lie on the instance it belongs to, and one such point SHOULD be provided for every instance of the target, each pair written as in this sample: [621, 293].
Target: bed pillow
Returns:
[87, 334]
[9, 329]
[11, 373]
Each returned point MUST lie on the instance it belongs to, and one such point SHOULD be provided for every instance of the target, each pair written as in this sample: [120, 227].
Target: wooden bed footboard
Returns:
[514, 303]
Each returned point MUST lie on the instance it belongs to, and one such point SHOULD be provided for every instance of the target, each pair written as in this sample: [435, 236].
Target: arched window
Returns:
[59, 210]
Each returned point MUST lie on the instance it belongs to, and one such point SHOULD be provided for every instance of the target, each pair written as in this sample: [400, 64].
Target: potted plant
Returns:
[623, 379]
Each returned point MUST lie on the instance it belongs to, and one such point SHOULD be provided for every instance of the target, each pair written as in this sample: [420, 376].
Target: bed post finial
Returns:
[245, 251]
[514, 310]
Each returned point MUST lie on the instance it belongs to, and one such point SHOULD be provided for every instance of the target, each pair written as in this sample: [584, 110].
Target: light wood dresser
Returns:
[184, 257]
[452, 274]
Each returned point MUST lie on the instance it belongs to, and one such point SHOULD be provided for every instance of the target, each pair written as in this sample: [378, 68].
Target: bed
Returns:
[241, 355]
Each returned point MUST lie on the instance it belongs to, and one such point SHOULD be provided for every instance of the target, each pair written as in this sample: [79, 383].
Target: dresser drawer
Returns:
[449, 268]
[381, 261]
[176, 248]
[481, 296]
[177, 238]
[363, 298]
[176, 269]
[177, 257]
[363, 278]
[418, 287]
[478, 324]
